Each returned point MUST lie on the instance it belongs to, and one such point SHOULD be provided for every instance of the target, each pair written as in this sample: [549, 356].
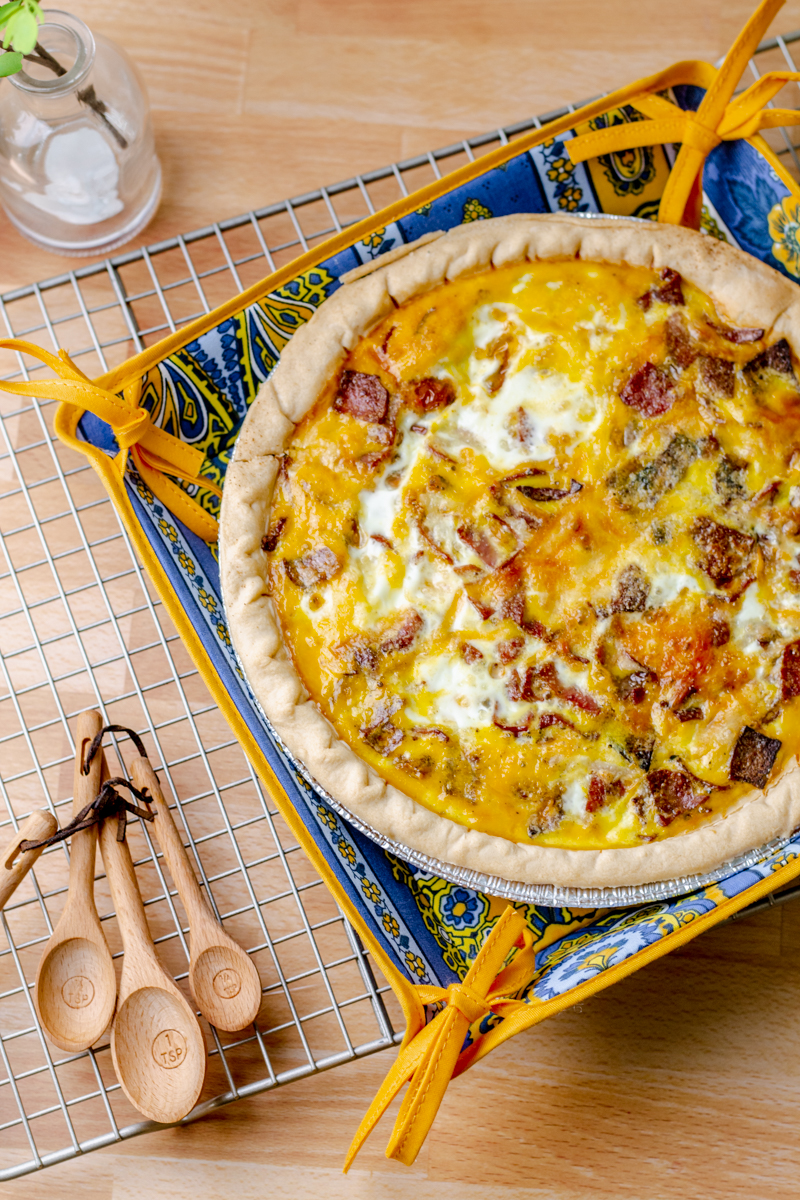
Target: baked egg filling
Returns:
[534, 552]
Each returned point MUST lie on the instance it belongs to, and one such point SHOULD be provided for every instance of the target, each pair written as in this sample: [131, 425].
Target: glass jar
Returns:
[78, 168]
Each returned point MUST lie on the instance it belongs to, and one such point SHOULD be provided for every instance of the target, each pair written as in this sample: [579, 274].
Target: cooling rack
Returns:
[80, 626]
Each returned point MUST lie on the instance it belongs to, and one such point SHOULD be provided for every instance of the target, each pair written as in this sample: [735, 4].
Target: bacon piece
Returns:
[753, 757]
[437, 452]
[597, 794]
[362, 396]
[739, 337]
[419, 428]
[493, 542]
[717, 375]
[484, 611]
[649, 390]
[633, 589]
[680, 346]
[507, 498]
[526, 473]
[510, 650]
[429, 394]
[430, 731]
[689, 714]
[777, 357]
[403, 635]
[501, 350]
[633, 686]
[273, 534]
[790, 671]
[720, 631]
[726, 552]
[642, 484]
[547, 720]
[550, 493]
[320, 564]
[670, 291]
[515, 729]
[470, 653]
[672, 793]
[768, 493]
[513, 609]
[602, 790]
[543, 684]
[518, 686]
[373, 459]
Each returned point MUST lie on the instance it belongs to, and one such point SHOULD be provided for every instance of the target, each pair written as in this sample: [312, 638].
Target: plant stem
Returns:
[87, 96]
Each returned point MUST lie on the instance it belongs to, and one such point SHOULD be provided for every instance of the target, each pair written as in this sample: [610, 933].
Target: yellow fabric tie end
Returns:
[156, 454]
[717, 119]
[429, 1061]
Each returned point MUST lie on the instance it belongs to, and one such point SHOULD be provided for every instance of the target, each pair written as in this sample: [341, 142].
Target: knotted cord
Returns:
[108, 802]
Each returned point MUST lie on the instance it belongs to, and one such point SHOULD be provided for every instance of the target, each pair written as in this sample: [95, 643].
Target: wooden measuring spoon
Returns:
[76, 987]
[222, 976]
[14, 866]
[157, 1044]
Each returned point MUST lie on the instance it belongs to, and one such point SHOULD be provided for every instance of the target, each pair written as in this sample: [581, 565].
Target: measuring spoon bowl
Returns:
[76, 987]
[159, 1054]
[76, 991]
[221, 975]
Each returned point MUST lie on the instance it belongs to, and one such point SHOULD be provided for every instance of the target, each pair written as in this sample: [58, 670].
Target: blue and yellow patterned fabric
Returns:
[429, 927]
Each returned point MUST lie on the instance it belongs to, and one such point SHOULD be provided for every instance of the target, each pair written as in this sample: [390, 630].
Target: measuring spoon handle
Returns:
[83, 845]
[15, 866]
[197, 908]
[125, 891]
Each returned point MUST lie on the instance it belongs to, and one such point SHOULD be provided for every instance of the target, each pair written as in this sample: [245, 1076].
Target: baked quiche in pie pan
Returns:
[510, 550]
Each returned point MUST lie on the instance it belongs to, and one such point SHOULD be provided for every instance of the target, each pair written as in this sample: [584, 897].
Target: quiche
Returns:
[510, 550]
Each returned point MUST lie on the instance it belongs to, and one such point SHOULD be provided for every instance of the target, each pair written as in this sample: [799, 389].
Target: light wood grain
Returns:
[15, 866]
[683, 1081]
[222, 977]
[76, 987]
[156, 1042]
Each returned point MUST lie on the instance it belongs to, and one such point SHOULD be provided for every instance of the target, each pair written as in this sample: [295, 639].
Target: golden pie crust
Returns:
[745, 292]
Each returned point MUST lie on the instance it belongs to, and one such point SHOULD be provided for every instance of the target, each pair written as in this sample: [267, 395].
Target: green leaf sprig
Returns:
[19, 20]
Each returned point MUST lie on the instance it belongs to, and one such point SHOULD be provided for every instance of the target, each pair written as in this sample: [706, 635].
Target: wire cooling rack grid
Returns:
[81, 626]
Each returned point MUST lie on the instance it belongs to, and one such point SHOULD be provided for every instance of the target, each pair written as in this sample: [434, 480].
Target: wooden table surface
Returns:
[684, 1080]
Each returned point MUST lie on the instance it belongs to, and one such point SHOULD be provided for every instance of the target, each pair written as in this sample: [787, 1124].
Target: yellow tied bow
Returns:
[430, 1059]
[156, 454]
[715, 121]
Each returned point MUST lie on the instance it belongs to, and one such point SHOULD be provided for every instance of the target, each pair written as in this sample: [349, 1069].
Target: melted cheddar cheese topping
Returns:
[535, 553]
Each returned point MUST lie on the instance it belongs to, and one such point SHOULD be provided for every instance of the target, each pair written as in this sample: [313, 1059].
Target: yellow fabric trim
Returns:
[428, 1061]
[156, 454]
[717, 119]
